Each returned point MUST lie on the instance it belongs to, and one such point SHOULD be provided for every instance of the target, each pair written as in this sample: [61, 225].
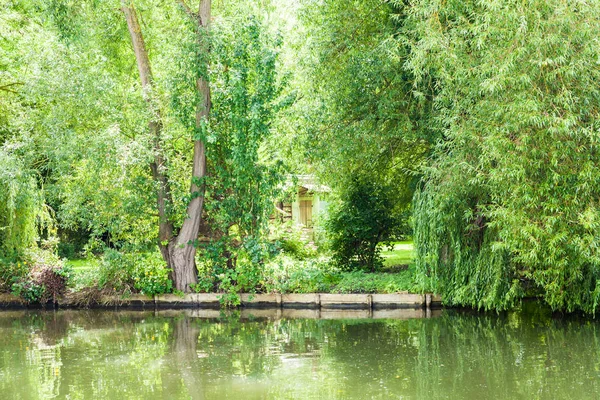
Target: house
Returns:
[309, 200]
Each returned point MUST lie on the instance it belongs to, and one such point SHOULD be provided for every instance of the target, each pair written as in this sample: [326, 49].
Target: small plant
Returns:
[28, 291]
[152, 278]
[46, 277]
[291, 241]
[230, 299]
[116, 272]
[288, 275]
[12, 272]
[206, 283]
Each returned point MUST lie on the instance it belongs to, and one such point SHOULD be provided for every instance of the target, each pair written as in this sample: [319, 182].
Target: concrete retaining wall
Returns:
[312, 301]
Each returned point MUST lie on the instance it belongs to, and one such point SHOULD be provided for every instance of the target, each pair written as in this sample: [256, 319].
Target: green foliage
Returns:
[362, 282]
[291, 241]
[289, 275]
[12, 272]
[361, 126]
[319, 275]
[206, 283]
[365, 216]
[243, 180]
[245, 273]
[152, 279]
[21, 207]
[66, 122]
[356, 115]
[245, 92]
[133, 272]
[41, 278]
[510, 203]
[28, 291]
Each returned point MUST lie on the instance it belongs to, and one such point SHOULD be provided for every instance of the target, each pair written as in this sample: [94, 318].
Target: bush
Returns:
[289, 239]
[10, 273]
[364, 217]
[288, 275]
[362, 282]
[41, 277]
[145, 273]
[231, 268]
[320, 275]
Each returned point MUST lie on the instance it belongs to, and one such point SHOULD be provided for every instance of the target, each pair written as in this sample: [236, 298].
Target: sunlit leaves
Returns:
[518, 106]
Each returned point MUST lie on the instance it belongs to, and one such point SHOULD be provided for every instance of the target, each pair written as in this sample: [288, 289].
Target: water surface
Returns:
[148, 355]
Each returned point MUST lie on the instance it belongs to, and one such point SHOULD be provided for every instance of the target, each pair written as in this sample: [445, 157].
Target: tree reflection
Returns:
[184, 350]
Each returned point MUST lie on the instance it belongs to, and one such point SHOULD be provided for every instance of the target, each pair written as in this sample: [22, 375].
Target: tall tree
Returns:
[179, 250]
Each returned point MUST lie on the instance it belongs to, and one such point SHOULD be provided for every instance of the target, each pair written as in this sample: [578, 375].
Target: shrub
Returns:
[363, 218]
[362, 282]
[43, 276]
[10, 273]
[288, 275]
[206, 283]
[289, 239]
[145, 273]
[116, 271]
[152, 279]
[320, 275]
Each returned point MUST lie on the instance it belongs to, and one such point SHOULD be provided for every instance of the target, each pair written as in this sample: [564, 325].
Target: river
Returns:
[94, 354]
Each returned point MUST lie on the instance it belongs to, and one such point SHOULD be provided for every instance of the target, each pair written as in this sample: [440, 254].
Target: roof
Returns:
[308, 182]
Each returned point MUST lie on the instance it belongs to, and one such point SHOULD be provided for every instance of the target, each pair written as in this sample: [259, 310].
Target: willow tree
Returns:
[510, 204]
[357, 114]
[21, 206]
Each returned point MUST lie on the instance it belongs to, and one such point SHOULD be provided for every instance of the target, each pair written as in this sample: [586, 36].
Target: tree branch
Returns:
[6, 87]
[187, 9]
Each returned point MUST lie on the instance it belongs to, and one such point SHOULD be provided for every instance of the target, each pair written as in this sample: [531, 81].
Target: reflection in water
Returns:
[147, 355]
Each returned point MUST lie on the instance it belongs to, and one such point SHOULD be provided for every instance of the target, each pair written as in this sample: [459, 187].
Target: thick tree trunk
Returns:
[179, 252]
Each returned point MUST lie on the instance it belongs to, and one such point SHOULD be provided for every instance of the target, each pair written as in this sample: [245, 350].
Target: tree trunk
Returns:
[179, 252]
[183, 249]
[165, 230]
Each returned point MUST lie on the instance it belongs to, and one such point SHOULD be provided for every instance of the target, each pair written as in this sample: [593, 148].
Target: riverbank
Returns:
[142, 280]
[214, 301]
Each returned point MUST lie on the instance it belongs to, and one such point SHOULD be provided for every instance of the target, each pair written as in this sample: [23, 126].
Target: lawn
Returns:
[399, 257]
[85, 272]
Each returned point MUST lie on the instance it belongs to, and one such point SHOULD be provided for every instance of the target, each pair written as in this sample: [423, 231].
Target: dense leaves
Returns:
[510, 203]
[365, 217]
[21, 206]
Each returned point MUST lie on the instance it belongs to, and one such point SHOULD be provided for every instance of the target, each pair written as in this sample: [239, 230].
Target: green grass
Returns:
[378, 282]
[396, 275]
[80, 264]
[399, 257]
[85, 272]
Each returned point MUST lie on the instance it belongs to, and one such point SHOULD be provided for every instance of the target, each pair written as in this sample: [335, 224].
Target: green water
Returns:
[143, 355]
